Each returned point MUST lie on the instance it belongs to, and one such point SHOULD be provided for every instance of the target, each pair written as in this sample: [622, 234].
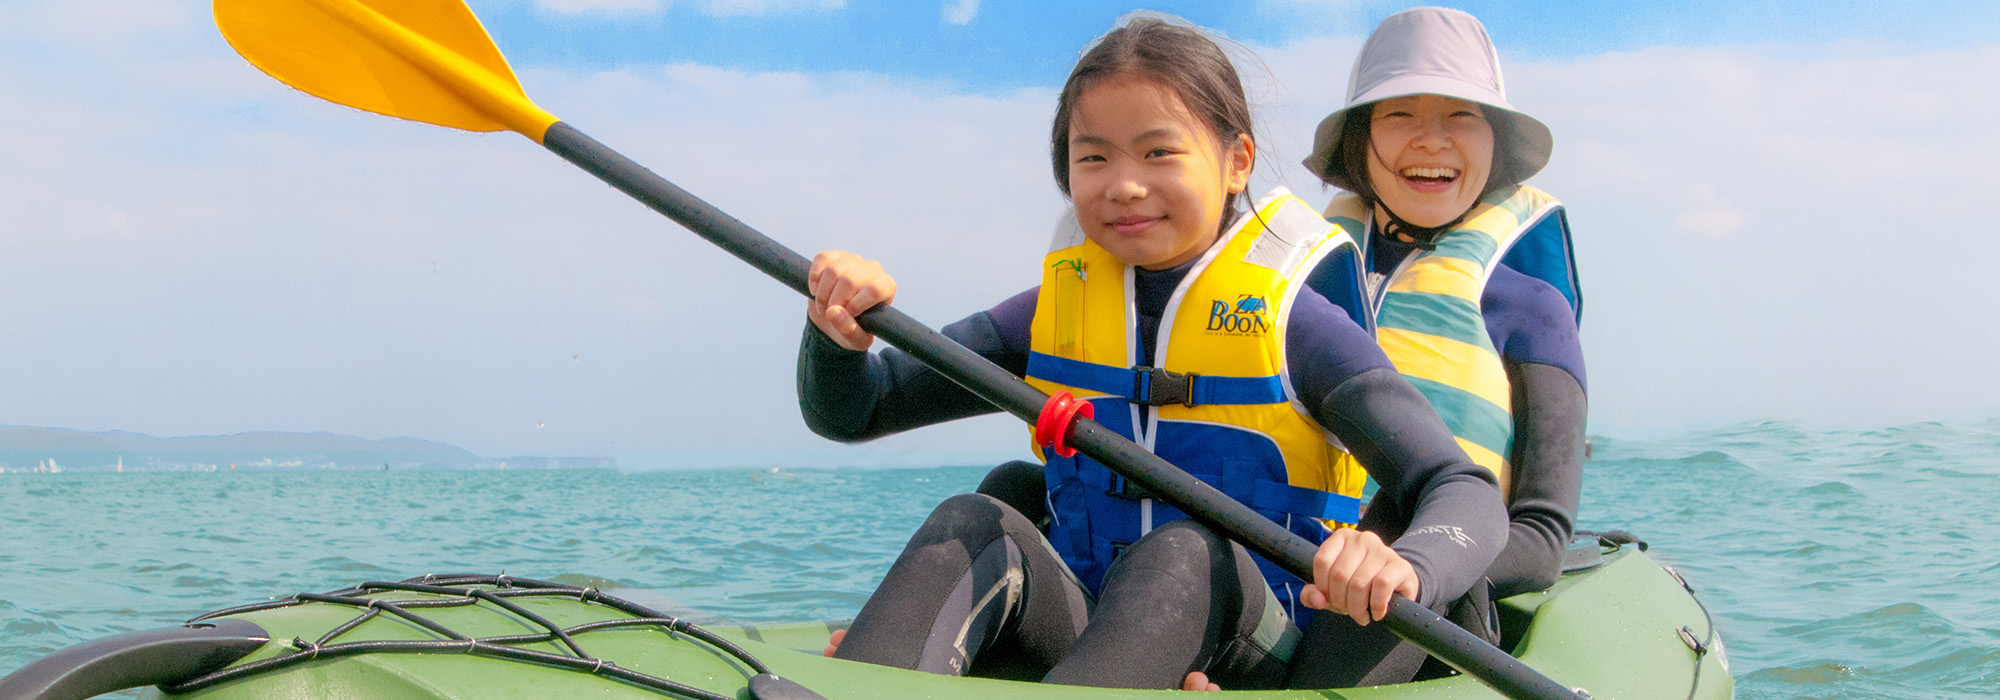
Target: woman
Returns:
[1470, 282]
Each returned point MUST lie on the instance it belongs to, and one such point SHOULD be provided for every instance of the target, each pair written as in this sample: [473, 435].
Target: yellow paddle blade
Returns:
[422, 60]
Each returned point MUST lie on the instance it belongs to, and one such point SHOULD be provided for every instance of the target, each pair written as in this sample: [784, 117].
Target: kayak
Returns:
[1617, 625]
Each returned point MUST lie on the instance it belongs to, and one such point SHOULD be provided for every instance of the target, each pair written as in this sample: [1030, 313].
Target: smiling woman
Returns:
[1471, 287]
[1433, 156]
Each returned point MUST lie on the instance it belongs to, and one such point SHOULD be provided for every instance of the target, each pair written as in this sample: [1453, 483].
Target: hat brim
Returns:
[1533, 144]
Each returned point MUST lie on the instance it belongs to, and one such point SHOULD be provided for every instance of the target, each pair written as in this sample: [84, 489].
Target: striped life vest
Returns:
[1218, 404]
[1428, 318]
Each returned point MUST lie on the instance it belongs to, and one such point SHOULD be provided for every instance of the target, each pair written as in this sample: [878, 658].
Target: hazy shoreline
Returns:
[29, 449]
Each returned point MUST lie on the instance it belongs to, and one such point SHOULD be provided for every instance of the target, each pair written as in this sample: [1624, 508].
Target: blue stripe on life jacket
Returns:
[1298, 500]
[1544, 253]
[1338, 278]
[1134, 385]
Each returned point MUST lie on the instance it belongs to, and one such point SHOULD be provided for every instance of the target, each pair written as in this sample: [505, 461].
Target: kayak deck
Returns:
[1613, 630]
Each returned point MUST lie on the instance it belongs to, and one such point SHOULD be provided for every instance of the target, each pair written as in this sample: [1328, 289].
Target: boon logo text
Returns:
[1249, 315]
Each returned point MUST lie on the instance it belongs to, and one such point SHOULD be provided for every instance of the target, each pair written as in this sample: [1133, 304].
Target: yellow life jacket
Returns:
[1218, 401]
[1429, 322]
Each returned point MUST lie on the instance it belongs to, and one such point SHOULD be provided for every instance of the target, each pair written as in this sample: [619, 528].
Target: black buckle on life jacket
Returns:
[1122, 487]
[1152, 386]
[1118, 549]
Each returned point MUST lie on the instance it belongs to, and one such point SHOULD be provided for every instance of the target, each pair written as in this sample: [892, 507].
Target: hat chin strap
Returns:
[1424, 237]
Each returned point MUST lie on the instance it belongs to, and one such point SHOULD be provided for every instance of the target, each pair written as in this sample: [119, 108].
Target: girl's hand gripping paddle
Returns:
[431, 61]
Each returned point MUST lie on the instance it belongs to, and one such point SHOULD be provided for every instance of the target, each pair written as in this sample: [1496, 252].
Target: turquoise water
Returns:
[1839, 564]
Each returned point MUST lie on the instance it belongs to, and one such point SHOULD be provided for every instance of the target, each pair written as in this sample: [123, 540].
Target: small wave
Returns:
[346, 564]
[1807, 675]
[147, 569]
[1971, 669]
[1711, 457]
[649, 553]
[763, 548]
[1871, 621]
[1950, 473]
[1831, 488]
[1809, 550]
[22, 627]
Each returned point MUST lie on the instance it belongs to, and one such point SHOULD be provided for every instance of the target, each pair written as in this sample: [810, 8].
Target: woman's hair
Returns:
[1350, 156]
[1180, 57]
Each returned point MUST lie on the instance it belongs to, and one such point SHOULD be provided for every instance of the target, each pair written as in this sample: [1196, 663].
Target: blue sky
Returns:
[1782, 210]
[1015, 44]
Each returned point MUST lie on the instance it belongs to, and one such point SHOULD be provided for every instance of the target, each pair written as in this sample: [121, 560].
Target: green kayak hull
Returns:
[1614, 630]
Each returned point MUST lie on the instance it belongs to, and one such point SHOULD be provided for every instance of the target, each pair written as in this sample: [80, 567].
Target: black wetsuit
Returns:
[979, 591]
[1535, 331]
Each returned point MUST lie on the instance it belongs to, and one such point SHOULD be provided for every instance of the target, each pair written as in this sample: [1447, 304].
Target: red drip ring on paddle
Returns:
[1058, 416]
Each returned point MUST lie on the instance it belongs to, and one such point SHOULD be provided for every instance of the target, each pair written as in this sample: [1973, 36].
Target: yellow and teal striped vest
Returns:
[1429, 322]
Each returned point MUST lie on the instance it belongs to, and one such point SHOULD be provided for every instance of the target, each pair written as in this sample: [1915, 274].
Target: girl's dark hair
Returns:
[1182, 58]
[1350, 156]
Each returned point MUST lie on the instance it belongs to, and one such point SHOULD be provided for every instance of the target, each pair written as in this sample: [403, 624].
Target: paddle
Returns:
[431, 61]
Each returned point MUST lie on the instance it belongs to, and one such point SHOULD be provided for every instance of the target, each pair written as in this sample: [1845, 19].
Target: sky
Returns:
[1781, 212]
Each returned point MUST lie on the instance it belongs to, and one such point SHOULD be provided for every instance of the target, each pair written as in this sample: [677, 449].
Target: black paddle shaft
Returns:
[1210, 507]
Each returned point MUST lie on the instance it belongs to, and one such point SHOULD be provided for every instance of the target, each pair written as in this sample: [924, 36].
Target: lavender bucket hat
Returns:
[1434, 51]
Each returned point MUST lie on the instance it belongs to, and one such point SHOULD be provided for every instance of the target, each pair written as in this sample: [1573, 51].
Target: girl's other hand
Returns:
[833, 643]
[1355, 574]
[844, 285]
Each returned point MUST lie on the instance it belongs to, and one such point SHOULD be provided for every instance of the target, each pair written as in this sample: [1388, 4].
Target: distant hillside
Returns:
[25, 448]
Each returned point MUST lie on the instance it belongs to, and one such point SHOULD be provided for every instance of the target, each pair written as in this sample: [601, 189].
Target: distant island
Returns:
[32, 449]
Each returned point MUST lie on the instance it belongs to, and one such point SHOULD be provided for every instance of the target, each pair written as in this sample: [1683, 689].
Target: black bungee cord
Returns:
[460, 588]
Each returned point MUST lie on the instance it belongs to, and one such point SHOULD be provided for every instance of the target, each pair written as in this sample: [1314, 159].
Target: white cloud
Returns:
[99, 21]
[716, 8]
[960, 12]
[609, 6]
[1704, 214]
[738, 8]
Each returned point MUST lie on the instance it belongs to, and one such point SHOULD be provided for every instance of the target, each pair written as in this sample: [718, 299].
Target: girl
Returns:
[1177, 317]
[1433, 156]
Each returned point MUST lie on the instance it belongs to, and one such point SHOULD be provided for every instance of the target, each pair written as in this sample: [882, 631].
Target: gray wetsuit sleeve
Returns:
[1549, 411]
[1535, 330]
[853, 396]
[1440, 511]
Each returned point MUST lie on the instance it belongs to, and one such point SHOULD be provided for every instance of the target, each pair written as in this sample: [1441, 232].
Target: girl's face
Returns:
[1429, 156]
[1148, 179]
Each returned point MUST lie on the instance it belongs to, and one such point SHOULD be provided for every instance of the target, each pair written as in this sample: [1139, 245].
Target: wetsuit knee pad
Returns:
[966, 517]
[1021, 486]
[1182, 550]
[1258, 658]
[1187, 580]
[1258, 638]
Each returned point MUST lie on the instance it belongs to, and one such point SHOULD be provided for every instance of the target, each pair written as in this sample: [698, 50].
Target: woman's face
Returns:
[1430, 157]
[1148, 179]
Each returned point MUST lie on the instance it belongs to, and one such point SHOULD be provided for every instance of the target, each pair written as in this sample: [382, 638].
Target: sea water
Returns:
[1838, 564]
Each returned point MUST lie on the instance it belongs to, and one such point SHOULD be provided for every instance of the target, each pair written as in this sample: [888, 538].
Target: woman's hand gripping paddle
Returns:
[431, 61]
